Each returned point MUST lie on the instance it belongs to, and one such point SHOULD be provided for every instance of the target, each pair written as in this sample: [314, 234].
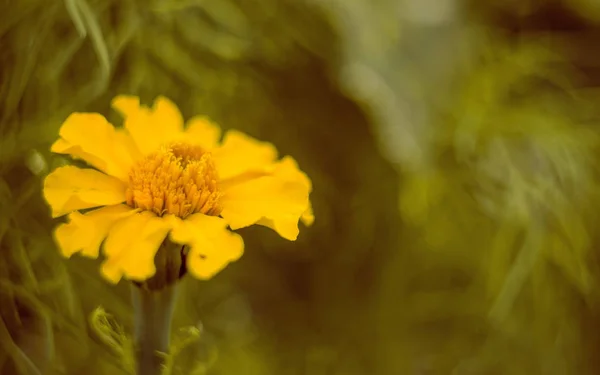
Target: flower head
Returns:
[156, 180]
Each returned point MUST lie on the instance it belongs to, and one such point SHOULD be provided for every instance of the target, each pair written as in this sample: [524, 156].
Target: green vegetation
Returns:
[453, 152]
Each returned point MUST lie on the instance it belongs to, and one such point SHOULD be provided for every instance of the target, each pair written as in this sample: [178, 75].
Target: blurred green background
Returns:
[453, 149]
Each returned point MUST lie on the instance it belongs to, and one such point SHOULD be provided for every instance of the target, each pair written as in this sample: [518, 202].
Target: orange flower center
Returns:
[178, 179]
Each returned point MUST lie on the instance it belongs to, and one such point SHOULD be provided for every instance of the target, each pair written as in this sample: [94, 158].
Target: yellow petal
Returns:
[127, 144]
[126, 105]
[212, 245]
[308, 217]
[88, 136]
[277, 201]
[241, 153]
[69, 188]
[131, 246]
[63, 147]
[150, 127]
[202, 132]
[85, 233]
[288, 169]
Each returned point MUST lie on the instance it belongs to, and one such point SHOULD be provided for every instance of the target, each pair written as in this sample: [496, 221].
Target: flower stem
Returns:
[153, 311]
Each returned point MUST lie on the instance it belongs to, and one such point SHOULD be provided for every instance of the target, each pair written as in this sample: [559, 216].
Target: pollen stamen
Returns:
[179, 179]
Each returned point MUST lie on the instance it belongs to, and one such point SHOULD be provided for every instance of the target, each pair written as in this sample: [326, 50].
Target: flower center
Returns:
[178, 179]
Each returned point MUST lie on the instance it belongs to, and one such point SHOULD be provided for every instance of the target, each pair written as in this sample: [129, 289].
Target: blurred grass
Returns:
[453, 160]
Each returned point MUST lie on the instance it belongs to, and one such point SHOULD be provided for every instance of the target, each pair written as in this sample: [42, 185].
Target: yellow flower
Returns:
[154, 179]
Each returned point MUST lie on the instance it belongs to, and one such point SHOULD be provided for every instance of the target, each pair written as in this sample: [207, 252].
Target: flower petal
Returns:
[212, 245]
[90, 137]
[61, 146]
[308, 217]
[202, 132]
[69, 188]
[84, 233]
[288, 169]
[277, 201]
[150, 127]
[241, 153]
[131, 246]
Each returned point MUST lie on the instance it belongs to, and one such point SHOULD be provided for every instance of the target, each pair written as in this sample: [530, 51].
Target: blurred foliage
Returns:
[452, 146]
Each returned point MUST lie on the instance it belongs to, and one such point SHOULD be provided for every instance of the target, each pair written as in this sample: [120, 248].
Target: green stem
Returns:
[153, 311]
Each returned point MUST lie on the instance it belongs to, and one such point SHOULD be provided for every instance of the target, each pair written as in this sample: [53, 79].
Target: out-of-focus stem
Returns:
[153, 311]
